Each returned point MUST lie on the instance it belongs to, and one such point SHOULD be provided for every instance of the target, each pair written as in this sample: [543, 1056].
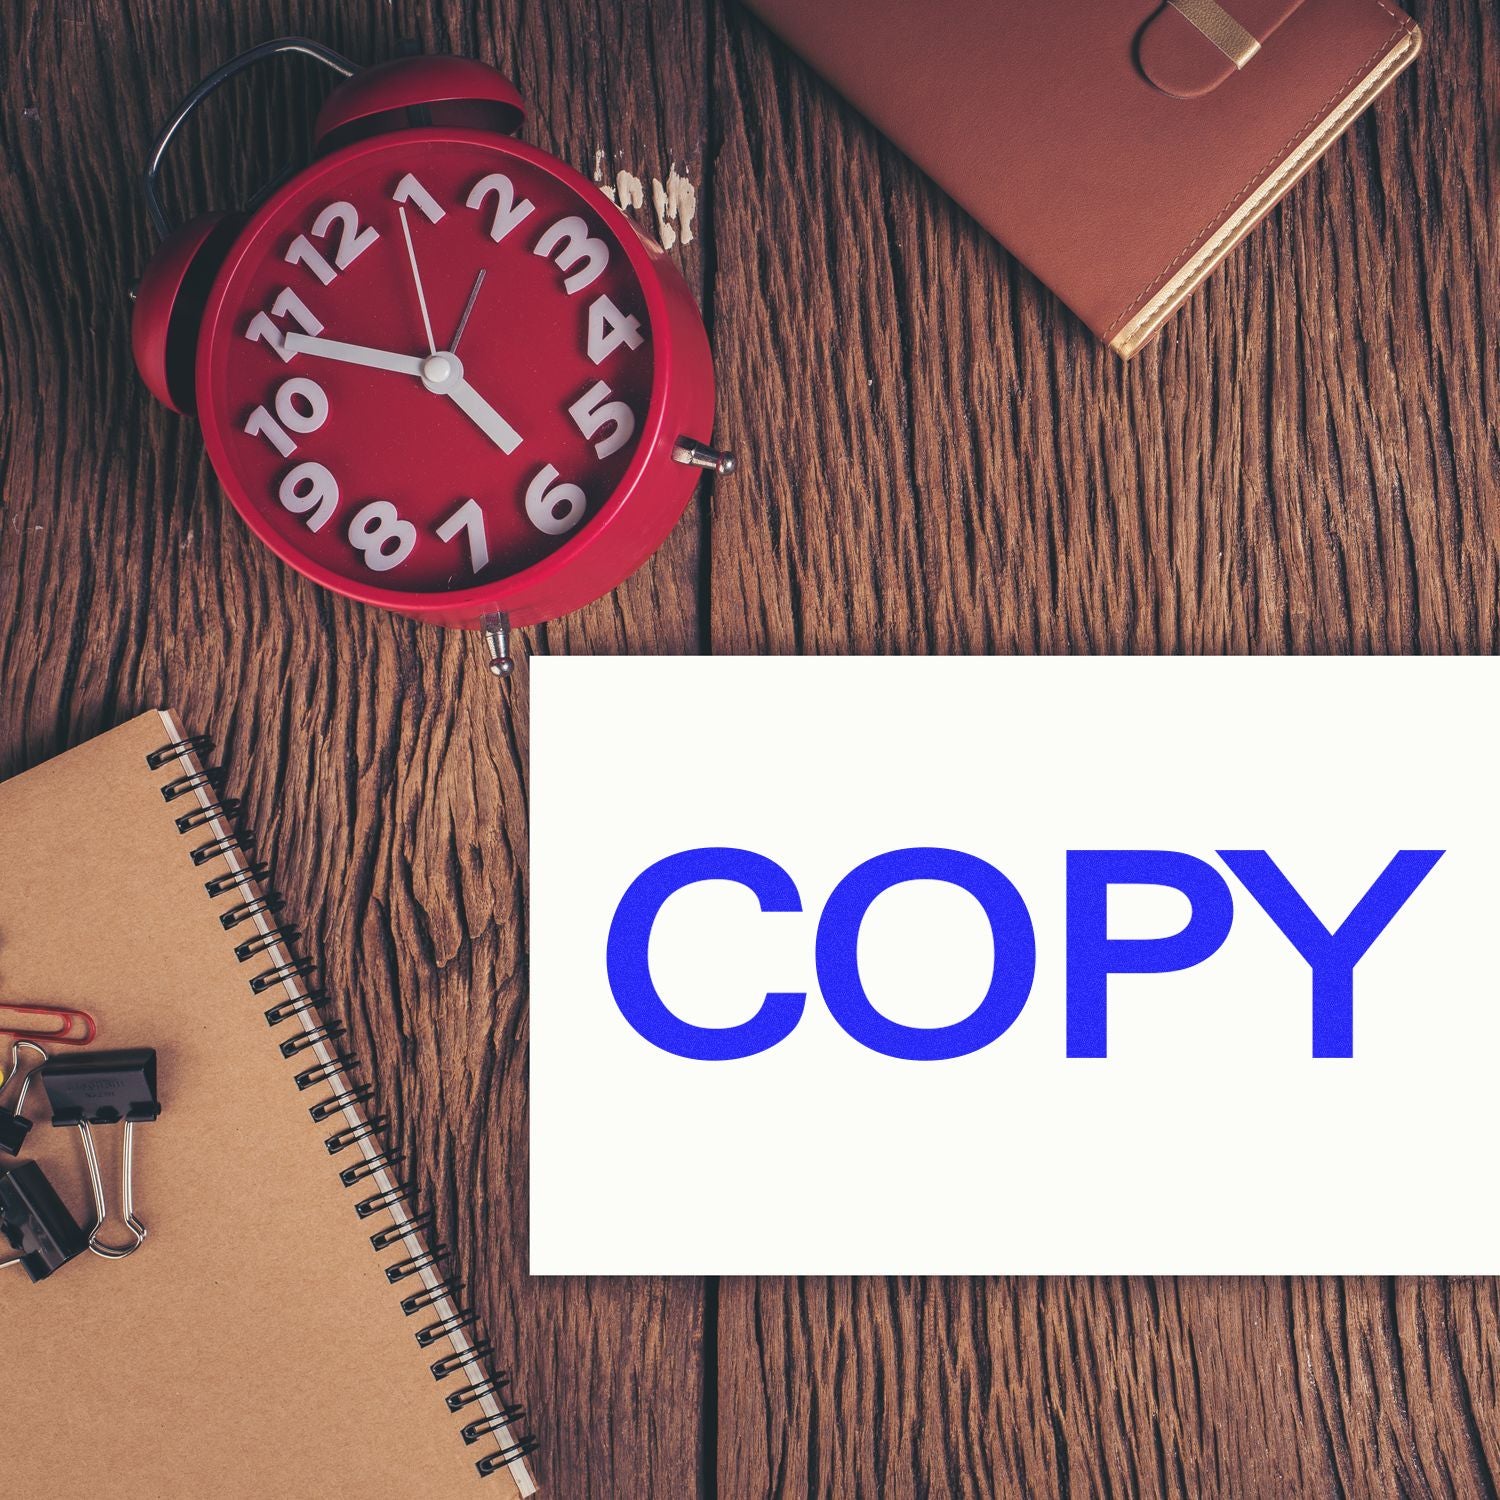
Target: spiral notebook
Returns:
[287, 1329]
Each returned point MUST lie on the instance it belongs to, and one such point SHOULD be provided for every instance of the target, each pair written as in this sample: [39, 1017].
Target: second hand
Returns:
[463, 321]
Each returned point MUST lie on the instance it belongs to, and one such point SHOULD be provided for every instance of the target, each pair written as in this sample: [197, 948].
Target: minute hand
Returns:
[353, 354]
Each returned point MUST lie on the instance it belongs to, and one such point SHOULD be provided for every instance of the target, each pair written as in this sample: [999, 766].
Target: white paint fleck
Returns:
[626, 190]
[630, 191]
[676, 203]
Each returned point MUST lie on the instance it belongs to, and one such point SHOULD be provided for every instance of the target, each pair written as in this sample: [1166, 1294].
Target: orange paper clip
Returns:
[47, 1023]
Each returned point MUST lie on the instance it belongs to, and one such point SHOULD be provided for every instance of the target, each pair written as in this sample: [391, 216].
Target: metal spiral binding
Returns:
[420, 1224]
[226, 811]
[478, 1352]
[368, 1168]
[341, 1062]
[470, 1356]
[352, 1135]
[486, 1425]
[433, 1332]
[286, 1009]
[236, 880]
[367, 1208]
[198, 744]
[403, 1192]
[247, 910]
[184, 786]
[329, 1033]
[285, 936]
[448, 1288]
[336, 1104]
[489, 1385]
[503, 1458]
[414, 1265]
[205, 852]
[299, 968]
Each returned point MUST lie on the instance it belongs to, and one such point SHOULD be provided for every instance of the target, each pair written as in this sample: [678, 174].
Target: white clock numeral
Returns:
[353, 242]
[552, 507]
[263, 424]
[569, 243]
[610, 329]
[300, 404]
[594, 410]
[409, 190]
[469, 518]
[508, 213]
[287, 305]
[311, 488]
[385, 539]
[303, 252]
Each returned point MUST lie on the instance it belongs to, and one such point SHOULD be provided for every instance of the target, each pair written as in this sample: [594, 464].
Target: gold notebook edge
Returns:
[1143, 327]
[353, 1114]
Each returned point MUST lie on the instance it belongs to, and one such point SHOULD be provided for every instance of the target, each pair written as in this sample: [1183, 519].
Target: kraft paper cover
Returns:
[253, 1347]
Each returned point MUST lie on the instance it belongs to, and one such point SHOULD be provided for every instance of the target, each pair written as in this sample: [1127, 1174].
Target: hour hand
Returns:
[443, 374]
[352, 354]
[484, 416]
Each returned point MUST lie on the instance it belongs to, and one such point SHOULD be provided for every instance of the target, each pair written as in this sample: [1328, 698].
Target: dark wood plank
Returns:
[383, 769]
[946, 462]
[1162, 1387]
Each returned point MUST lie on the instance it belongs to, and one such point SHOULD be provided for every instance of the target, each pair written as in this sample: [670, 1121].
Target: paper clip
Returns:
[48, 1023]
[106, 1088]
[14, 1126]
[36, 1223]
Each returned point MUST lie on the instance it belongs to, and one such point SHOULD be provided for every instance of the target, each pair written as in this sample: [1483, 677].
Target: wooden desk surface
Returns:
[935, 458]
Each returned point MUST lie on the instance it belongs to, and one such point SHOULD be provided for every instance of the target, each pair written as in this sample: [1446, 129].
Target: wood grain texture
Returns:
[936, 458]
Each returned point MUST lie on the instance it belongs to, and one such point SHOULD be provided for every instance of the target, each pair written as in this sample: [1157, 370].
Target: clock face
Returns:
[428, 364]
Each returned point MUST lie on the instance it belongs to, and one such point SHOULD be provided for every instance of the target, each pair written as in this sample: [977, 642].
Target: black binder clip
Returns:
[36, 1224]
[106, 1088]
[14, 1126]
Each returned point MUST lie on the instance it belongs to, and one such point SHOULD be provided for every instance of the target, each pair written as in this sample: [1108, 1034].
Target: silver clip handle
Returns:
[127, 1195]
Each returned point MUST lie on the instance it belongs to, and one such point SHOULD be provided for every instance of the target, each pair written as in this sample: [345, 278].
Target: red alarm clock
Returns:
[437, 369]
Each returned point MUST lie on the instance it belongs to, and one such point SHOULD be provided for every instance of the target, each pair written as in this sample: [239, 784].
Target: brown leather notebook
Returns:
[1119, 148]
[257, 1344]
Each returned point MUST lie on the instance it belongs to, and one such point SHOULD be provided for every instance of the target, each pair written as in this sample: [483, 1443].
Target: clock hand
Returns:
[353, 354]
[483, 415]
[463, 321]
[416, 277]
[443, 374]
[440, 373]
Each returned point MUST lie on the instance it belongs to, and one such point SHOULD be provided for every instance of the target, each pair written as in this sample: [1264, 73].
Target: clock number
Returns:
[610, 329]
[554, 508]
[409, 190]
[302, 251]
[353, 242]
[287, 305]
[310, 487]
[569, 243]
[508, 213]
[300, 404]
[469, 518]
[384, 538]
[593, 410]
